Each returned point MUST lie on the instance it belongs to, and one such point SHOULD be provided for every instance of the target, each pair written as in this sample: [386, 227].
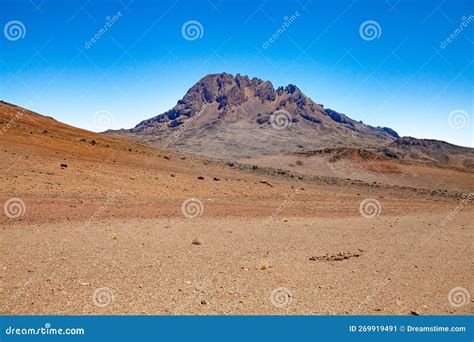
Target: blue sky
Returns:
[406, 76]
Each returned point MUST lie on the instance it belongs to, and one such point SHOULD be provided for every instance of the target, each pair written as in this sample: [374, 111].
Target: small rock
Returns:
[216, 179]
[203, 302]
[172, 175]
[63, 165]
[196, 242]
[414, 313]
[267, 183]
[200, 177]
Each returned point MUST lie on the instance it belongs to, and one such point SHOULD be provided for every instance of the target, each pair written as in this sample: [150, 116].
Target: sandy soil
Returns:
[150, 266]
[107, 234]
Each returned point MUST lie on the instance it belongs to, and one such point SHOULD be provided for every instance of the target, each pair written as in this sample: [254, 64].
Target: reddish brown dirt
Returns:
[113, 219]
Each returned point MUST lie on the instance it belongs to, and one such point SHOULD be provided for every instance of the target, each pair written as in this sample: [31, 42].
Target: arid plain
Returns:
[104, 225]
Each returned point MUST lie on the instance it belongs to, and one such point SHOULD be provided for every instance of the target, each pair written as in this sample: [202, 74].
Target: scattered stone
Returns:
[63, 165]
[203, 302]
[285, 220]
[216, 179]
[200, 177]
[196, 242]
[93, 142]
[266, 183]
[335, 257]
[167, 157]
[414, 313]
[172, 175]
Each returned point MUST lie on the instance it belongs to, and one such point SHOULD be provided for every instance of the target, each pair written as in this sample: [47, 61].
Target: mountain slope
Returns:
[229, 117]
[235, 117]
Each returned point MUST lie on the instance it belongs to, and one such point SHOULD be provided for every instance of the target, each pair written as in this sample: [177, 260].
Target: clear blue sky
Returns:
[142, 64]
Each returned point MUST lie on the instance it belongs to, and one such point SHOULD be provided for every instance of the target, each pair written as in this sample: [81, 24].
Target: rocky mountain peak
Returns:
[225, 99]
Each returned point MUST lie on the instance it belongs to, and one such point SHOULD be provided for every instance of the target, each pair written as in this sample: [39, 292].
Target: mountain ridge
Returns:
[228, 90]
[239, 118]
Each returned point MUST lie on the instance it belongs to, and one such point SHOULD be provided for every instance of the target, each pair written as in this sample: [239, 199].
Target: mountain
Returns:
[235, 117]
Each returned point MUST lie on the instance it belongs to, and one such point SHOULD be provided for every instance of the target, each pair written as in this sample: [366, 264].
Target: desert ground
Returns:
[104, 229]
